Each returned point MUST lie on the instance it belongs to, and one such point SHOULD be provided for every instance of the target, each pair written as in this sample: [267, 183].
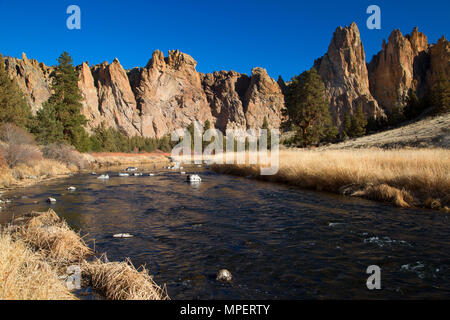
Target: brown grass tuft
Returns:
[24, 274]
[47, 234]
[122, 281]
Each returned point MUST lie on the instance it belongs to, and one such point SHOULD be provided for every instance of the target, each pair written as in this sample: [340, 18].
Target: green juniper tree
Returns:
[307, 109]
[13, 106]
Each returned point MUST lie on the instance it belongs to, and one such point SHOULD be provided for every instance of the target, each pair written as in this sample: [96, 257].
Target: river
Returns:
[279, 242]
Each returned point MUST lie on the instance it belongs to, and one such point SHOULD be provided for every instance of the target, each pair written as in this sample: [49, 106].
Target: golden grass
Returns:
[122, 281]
[118, 158]
[45, 244]
[404, 177]
[25, 275]
[46, 233]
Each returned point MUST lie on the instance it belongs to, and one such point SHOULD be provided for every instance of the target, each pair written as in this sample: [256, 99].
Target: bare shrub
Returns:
[15, 154]
[12, 134]
[66, 154]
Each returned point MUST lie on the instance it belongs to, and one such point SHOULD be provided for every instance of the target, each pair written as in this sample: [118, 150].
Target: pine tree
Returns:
[13, 106]
[358, 123]
[66, 104]
[347, 126]
[307, 109]
[266, 127]
[413, 106]
[440, 95]
[47, 129]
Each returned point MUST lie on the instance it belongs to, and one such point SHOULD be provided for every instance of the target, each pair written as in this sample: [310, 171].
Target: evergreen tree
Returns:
[13, 106]
[413, 106]
[440, 95]
[358, 123]
[347, 126]
[307, 109]
[266, 127]
[66, 104]
[47, 129]
[396, 115]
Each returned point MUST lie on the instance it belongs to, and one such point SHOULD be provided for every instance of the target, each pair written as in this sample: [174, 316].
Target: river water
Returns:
[279, 242]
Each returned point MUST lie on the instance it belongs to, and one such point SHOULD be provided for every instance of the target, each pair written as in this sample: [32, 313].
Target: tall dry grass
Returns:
[45, 243]
[48, 234]
[122, 281]
[404, 177]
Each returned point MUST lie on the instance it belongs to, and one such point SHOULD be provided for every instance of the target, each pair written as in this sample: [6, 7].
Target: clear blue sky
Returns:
[282, 36]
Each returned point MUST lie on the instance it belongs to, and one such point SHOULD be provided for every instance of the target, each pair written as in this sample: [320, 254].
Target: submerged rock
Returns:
[123, 235]
[193, 178]
[224, 276]
[51, 200]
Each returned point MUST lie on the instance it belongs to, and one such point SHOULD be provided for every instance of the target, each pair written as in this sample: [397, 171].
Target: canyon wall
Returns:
[168, 93]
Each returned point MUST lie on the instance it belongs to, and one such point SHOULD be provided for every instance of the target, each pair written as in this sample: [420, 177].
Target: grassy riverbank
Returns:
[403, 177]
[42, 169]
[35, 251]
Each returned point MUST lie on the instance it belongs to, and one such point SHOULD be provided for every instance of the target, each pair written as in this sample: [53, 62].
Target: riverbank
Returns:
[403, 177]
[25, 175]
[38, 249]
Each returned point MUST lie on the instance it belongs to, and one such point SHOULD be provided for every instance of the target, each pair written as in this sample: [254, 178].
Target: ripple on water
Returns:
[278, 242]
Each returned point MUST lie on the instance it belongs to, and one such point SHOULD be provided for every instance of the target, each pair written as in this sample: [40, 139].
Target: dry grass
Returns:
[118, 158]
[22, 174]
[47, 245]
[46, 233]
[25, 275]
[404, 177]
[122, 281]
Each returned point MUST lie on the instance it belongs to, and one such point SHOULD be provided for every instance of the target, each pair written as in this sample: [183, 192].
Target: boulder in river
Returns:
[194, 178]
[71, 189]
[103, 177]
[51, 200]
[224, 276]
[123, 235]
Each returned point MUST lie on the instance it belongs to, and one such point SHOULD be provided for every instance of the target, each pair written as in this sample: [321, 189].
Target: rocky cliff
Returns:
[344, 72]
[168, 93]
[165, 95]
[399, 67]
[33, 79]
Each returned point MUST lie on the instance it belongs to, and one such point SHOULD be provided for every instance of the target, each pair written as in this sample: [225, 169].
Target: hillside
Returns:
[428, 133]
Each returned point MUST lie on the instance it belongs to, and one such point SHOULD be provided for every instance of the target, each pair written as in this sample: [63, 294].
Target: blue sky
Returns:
[282, 36]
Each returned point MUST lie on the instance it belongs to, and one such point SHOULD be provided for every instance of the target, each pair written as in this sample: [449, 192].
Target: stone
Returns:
[398, 68]
[224, 276]
[344, 72]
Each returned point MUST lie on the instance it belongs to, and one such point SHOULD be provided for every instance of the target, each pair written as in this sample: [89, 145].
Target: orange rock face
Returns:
[398, 68]
[33, 79]
[344, 72]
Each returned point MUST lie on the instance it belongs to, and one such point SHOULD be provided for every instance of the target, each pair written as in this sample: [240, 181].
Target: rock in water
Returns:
[224, 276]
[194, 178]
[103, 177]
[51, 200]
[71, 189]
[123, 235]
